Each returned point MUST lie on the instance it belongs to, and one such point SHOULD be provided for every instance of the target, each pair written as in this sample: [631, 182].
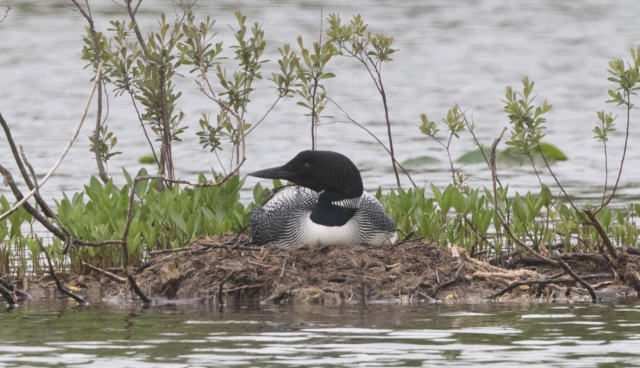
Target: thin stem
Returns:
[144, 129]
[52, 271]
[96, 50]
[263, 117]
[376, 138]
[64, 153]
[624, 151]
[23, 171]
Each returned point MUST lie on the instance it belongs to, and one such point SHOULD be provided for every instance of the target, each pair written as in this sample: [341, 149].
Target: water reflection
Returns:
[380, 335]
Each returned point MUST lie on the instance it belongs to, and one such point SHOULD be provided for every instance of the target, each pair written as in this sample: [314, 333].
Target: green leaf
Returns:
[457, 200]
[520, 210]
[179, 221]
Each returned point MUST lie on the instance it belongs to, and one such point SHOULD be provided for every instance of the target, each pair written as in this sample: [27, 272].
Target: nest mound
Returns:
[227, 268]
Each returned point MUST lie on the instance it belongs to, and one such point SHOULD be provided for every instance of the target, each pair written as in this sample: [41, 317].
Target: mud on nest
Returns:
[228, 268]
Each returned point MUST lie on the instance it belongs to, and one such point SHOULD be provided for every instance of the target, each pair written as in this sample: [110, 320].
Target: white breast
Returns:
[347, 234]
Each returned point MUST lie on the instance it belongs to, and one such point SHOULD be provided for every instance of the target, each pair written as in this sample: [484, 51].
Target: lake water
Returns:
[462, 52]
[577, 335]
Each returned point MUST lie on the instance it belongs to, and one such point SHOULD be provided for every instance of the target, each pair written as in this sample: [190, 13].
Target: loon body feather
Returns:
[285, 221]
[328, 205]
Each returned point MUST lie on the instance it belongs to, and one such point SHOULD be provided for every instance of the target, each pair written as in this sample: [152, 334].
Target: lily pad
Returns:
[147, 160]
[420, 161]
[552, 152]
[475, 156]
[508, 156]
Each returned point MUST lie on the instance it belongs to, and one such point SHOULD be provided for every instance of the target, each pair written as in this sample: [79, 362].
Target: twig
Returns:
[13, 289]
[132, 15]
[8, 179]
[16, 156]
[578, 279]
[43, 205]
[624, 151]
[378, 140]
[602, 284]
[23, 171]
[363, 276]
[164, 251]
[449, 282]
[96, 51]
[603, 234]
[8, 295]
[263, 117]
[64, 153]
[433, 300]
[63, 289]
[96, 244]
[284, 264]
[546, 281]
[6, 13]
[106, 273]
[503, 222]
[242, 288]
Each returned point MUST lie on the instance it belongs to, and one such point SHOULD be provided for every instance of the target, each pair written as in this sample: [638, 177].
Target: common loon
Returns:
[326, 207]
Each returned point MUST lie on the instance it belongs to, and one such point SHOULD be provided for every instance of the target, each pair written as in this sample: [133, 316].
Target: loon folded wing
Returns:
[372, 224]
[279, 221]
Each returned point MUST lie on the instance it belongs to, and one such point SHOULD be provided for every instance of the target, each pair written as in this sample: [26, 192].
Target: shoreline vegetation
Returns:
[159, 237]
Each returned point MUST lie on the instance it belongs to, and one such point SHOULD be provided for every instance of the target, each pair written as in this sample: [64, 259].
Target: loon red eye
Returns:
[306, 166]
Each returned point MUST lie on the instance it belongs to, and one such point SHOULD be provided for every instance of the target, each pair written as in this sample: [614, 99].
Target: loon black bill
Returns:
[274, 173]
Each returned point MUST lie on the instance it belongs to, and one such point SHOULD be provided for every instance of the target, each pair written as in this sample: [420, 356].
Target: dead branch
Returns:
[6, 13]
[106, 273]
[21, 167]
[13, 289]
[8, 179]
[64, 153]
[603, 234]
[43, 205]
[380, 142]
[547, 281]
[448, 282]
[63, 289]
[578, 279]
[8, 295]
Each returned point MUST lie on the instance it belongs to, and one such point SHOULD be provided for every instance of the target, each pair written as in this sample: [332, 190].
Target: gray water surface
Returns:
[462, 52]
[578, 335]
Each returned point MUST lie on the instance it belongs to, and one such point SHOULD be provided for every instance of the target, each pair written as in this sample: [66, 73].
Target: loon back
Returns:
[328, 205]
[286, 221]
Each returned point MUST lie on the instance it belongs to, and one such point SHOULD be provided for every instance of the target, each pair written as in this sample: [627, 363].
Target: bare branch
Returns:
[102, 173]
[108, 274]
[8, 295]
[377, 139]
[6, 13]
[22, 169]
[580, 281]
[263, 117]
[624, 152]
[455, 278]
[63, 289]
[64, 153]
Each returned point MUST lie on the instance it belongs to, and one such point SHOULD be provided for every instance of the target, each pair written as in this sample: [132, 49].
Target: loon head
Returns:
[326, 172]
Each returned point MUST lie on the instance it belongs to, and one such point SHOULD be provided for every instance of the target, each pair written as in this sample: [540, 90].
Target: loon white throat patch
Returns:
[353, 203]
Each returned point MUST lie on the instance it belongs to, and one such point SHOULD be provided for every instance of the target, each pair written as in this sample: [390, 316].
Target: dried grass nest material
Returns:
[228, 268]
